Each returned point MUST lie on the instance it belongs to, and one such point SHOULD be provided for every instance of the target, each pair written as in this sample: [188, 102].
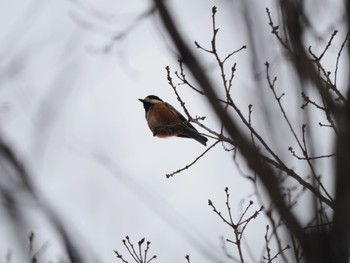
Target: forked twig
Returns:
[139, 256]
[238, 227]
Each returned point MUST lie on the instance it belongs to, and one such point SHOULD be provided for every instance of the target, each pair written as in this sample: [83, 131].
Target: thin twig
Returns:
[226, 252]
[338, 58]
[310, 158]
[138, 257]
[237, 227]
[268, 258]
[307, 185]
[326, 75]
[130, 247]
[303, 148]
[275, 32]
[182, 76]
[120, 256]
[328, 44]
[182, 103]
[192, 163]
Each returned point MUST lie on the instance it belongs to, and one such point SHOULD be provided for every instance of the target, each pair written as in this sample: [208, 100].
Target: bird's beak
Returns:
[141, 100]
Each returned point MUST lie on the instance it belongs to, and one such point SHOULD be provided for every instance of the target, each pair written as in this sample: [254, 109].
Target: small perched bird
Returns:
[165, 121]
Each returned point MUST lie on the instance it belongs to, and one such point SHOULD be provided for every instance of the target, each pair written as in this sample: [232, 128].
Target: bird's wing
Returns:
[182, 118]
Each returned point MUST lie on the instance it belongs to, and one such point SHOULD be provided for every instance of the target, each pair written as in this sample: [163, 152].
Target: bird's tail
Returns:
[195, 135]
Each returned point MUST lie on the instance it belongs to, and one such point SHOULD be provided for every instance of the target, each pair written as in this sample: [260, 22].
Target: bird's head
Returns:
[149, 101]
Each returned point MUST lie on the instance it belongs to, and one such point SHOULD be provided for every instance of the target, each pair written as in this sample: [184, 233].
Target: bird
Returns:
[165, 121]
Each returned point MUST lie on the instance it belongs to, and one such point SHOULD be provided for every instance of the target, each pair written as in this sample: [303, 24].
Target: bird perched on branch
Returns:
[165, 121]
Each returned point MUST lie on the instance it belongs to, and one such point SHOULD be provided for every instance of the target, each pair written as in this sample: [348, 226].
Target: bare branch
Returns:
[192, 163]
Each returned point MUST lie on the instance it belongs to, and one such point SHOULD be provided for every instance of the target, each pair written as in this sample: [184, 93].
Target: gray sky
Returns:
[73, 113]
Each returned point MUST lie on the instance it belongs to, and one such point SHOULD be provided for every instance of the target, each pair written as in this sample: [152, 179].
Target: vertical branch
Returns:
[341, 226]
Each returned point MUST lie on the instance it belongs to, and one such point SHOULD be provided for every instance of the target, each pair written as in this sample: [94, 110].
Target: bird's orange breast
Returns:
[159, 116]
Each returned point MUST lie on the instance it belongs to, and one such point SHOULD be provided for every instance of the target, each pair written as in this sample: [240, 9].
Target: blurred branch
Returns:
[341, 219]
[118, 36]
[7, 155]
[269, 258]
[34, 255]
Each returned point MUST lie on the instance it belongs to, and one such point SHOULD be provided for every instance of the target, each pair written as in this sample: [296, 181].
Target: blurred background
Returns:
[71, 73]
